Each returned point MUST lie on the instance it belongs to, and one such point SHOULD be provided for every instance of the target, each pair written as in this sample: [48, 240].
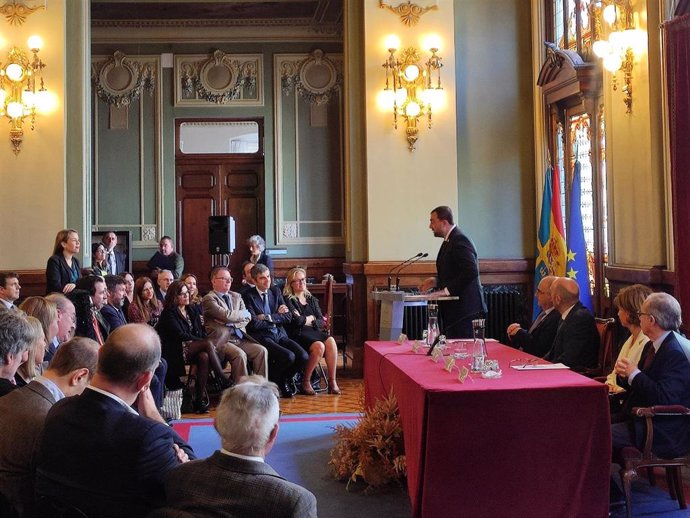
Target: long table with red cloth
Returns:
[529, 444]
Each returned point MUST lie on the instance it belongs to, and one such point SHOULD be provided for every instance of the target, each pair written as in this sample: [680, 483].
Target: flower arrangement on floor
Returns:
[372, 450]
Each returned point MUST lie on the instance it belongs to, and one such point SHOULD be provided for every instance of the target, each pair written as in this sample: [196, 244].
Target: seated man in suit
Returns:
[67, 320]
[163, 282]
[236, 481]
[9, 290]
[269, 315]
[226, 319]
[115, 259]
[577, 340]
[662, 377]
[112, 309]
[24, 411]
[538, 339]
[15, 339]
[96, 452]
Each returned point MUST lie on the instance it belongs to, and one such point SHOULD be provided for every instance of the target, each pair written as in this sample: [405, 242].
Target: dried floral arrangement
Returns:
[372, 451]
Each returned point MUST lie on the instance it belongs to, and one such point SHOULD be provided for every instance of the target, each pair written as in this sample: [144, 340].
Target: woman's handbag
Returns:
[172, 404]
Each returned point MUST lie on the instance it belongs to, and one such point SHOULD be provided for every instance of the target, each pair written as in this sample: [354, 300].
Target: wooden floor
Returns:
[351, 400]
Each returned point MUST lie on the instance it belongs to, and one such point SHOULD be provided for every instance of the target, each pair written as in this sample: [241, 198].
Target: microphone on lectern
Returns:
[419, 255]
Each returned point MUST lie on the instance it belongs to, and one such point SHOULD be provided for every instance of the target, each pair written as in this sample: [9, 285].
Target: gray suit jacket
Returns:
[23, 413]
[231, 487]
[217, 314]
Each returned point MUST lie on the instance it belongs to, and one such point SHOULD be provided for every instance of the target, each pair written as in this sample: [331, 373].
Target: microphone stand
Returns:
[418, 258]
[399, 266]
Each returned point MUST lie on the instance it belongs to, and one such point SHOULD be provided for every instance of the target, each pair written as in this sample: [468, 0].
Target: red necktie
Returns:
[97, 329]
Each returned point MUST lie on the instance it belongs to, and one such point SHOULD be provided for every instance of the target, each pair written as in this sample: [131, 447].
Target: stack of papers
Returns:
[539, 366]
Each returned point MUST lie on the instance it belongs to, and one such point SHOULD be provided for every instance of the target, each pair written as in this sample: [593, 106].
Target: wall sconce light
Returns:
[624, 42]
[22, 92]
[412, 88]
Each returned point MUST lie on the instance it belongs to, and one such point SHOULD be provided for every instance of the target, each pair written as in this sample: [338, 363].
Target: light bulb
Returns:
[612, 62]
[15, 110]
[610, 14]
[617, 41]
[400, 96]
[28, 98]
[412, 109]
[45, 101]
[392, 42]
[432, 41]
[35, 42]
[14, 72]
[411, 72]
[385, 99]
[601, 48]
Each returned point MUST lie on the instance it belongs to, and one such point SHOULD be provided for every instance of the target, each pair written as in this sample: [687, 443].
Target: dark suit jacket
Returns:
[23, 413]
[457, 270]
[119, 261]
[6, 386]
[58, 274]
[577, 341]
[540, 340]
[173, 262]
[85, 313]
[104, 459]
[665, 382]
[263, 328]
[174, 329]
[115, 317]
[227, 486]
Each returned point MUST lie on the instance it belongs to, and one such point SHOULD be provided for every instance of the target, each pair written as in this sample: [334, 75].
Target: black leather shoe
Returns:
[286, 390]
[200, 408]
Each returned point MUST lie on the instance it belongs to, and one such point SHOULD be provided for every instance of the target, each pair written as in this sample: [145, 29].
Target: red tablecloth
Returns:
[530, 444]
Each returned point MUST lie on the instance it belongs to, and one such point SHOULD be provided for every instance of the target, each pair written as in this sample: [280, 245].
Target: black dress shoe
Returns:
[286, 390]
[200, 407]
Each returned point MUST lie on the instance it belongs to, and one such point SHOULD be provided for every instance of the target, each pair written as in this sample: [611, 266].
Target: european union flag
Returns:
[550, 241]
[576, 267]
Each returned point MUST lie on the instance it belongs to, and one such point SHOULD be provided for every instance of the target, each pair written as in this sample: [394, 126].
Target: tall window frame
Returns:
[571, 83]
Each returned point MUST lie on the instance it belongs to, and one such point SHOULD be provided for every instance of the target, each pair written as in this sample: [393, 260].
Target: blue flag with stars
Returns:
[576, 264]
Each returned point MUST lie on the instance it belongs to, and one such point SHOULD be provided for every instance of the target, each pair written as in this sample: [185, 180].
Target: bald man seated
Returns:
[100, 455]
[577, 339]
[24, 411]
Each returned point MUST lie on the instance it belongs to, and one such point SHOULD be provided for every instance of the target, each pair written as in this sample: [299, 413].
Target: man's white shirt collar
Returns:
[448, 234]
[113, 396]
[565, 314]
[52, 387]
[245, 457]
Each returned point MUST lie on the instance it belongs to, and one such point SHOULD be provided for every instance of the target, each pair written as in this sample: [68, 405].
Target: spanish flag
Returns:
[551, 256]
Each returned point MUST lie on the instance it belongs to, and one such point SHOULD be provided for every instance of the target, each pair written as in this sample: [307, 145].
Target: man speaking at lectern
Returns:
[457, 276]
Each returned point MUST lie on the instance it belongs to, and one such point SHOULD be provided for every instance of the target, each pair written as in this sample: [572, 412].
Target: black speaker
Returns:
[221, 234]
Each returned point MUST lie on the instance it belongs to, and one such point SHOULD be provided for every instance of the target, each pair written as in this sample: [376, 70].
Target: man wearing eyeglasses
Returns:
[538, 339]
[67, 321]
[662, 377]
[226, 319]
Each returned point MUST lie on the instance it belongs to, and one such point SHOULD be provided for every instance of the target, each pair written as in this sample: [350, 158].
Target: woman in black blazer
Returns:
[183, 340]
[257, 252]
[63, 269]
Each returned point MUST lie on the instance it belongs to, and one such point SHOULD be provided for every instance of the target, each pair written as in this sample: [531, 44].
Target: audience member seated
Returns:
[63, 269]
[129, 293]
[189, 279]
[629, 303]
[113, 257]
[99, 266]
[236, 480]
[577, 339]
[90, 322]
[226, 319]
[15, 339]
[24, 412]
[67, 320]
[270, 315]
[661, 377]
[96, 452]
[307, 329]
[166, 258]
[112, 309]
[9, 290]
[145, 307]
[247, 281]
[33, 366]
[184, 341]
[163, 280]
[538, 339]
[258, 254]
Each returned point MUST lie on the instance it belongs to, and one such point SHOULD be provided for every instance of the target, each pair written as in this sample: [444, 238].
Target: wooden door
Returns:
[217, 185]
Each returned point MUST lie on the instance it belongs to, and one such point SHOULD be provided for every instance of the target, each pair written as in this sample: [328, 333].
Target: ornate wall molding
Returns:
[219, 79]
[16, 11]
[408, 12]
[316, 78]
[119, 80]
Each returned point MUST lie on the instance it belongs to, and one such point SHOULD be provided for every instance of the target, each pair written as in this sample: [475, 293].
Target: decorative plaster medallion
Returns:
[315, 78]
[120, 79]
[220, 78]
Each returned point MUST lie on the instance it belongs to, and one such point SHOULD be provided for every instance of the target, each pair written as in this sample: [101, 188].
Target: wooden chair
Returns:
[634, 459]
[340, 340]
[607, 358]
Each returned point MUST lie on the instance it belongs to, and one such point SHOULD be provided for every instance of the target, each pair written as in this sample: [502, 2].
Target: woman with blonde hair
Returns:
[63, 268]
[629, 303]
[307, 329]
[45, 313]
[34, 365]
[145, 308]
[190, 280]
